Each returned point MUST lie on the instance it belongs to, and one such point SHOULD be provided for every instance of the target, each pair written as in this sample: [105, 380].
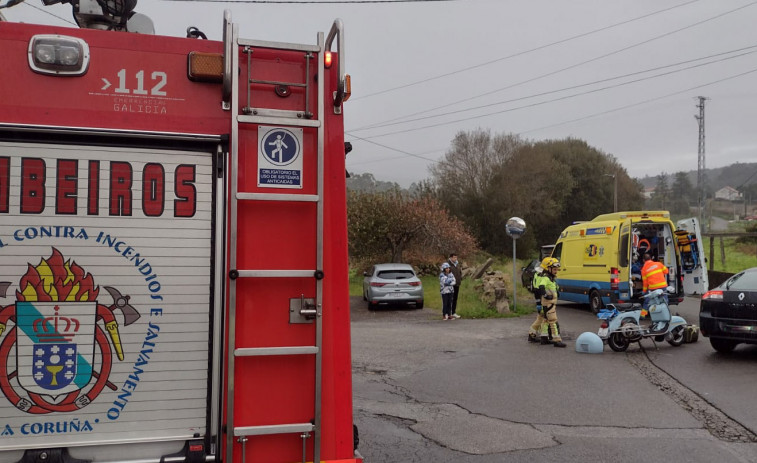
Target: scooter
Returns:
[621, 323]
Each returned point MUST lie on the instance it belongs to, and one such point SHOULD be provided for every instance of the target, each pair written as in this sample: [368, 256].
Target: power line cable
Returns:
[541, 47]
[581, 63]
[651, 100]
[324, 2]
[405, 121]
[747, 180]
[404, 154]
[50, 13]
[602, 113]
[393, 149]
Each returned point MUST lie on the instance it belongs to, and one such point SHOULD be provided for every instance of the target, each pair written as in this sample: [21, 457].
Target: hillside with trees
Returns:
[741, 176]
[481, 182]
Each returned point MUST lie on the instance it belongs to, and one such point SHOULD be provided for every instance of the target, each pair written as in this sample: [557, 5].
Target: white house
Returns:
[729, 193]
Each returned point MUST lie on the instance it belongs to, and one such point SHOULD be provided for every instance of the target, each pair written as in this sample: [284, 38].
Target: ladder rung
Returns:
[278, 45]
[276, 273]
[265, 351]
[276, 82]
[275, 120]
[277, 197]
[273, 429]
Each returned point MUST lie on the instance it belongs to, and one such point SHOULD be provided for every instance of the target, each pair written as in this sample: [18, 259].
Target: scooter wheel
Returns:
[675, 337]
[618, 342]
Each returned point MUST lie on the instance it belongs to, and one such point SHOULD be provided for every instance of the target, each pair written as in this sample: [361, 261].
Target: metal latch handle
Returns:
[307, 310]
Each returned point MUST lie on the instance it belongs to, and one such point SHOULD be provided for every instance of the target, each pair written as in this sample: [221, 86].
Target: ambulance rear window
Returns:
[623, 258]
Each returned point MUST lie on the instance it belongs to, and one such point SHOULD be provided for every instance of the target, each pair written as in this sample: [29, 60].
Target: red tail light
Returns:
[415, 283]
[604, 324]
[713, 295]
[614, 278]
[378, 285]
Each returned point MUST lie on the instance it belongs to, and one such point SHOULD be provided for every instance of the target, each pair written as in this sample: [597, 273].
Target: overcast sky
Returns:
[623, 75]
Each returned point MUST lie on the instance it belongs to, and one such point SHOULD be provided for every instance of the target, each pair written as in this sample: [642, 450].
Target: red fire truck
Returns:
[173, 245]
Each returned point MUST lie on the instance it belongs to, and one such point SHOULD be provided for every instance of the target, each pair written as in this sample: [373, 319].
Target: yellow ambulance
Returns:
[600, 260]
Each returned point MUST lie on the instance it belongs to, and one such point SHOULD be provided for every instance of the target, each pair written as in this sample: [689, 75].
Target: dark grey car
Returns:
[728, 313]
[391, 284]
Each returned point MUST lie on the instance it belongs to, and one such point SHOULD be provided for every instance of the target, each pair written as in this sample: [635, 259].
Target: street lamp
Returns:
[515, 227]
[614, 191]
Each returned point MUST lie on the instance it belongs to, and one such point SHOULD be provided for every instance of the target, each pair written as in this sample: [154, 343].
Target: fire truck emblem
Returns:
[57, 357]
[56, 344]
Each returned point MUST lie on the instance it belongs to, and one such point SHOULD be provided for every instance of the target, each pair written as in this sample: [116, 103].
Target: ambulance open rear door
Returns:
[691, 251]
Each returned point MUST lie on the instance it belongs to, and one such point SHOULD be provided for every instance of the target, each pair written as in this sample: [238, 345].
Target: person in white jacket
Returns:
[447, 289]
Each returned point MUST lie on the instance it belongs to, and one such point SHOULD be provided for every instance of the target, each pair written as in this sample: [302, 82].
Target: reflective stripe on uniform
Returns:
[653, 276]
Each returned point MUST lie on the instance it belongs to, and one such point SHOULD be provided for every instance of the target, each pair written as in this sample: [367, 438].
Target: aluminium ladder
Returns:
[309, 309]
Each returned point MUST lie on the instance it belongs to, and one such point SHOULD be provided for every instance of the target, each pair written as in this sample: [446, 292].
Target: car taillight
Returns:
[604, 324]
[415, 283]
[378, 285]
[614, 278]
[714, 295]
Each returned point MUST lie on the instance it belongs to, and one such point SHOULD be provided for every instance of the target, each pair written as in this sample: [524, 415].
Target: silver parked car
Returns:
[392, 284]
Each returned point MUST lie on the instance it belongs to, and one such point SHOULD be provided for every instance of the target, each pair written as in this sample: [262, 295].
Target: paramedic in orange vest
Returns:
[654, 275]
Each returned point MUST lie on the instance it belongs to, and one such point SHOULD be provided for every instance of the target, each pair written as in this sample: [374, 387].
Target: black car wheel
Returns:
[595, 301]
[724, 346]
[419, 305]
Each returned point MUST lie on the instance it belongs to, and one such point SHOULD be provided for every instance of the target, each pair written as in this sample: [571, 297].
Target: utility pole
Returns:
[614, 191]
[700, 161]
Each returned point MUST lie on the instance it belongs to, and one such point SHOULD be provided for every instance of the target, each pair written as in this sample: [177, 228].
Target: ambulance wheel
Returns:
[595, 301]
[618, 342]
[675, 337]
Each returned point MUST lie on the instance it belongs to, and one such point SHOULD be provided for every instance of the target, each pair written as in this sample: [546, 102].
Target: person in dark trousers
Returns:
[457, 271]
[446, 289]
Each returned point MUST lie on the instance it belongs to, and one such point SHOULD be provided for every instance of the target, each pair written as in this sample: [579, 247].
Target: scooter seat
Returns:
[627, 306]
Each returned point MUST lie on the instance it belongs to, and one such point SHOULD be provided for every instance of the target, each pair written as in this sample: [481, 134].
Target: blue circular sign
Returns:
[280, 147]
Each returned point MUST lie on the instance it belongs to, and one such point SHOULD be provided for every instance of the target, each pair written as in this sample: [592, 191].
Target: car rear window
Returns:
[396, 274]
[746, 281]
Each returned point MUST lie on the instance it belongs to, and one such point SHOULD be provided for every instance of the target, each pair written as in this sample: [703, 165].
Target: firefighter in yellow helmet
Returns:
[549, 291]
[534, 330]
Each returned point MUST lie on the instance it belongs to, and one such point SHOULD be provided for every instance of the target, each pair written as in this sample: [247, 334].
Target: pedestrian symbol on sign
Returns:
[280, 147]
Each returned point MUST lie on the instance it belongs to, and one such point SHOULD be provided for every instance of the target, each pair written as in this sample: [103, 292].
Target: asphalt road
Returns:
[428, 390]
